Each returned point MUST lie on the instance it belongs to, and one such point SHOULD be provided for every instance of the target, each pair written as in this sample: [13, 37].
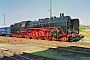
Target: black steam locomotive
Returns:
[61, 28]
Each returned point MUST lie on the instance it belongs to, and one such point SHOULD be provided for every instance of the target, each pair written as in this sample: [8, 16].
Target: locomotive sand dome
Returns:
[61, 28]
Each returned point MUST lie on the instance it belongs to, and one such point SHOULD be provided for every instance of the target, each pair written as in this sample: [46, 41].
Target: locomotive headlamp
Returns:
[77, 31]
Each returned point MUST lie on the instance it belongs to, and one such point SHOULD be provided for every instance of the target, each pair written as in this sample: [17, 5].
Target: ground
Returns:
[41, 47]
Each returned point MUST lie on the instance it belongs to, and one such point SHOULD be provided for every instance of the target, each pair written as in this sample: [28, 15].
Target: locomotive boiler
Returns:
[61, 28]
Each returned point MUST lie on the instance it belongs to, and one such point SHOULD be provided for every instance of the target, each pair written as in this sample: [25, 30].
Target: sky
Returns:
[19, 10]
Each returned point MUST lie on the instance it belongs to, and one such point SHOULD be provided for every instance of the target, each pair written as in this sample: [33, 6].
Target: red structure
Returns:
[44, 34]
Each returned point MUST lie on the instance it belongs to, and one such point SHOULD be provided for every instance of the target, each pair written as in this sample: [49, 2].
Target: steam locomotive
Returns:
[61, 28]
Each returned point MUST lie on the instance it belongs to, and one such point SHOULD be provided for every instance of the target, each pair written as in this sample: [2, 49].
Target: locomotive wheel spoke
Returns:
[64, 39]
[34, 34]
[50, 38]
[39, 38]
[33, 37]
[53, 38]
[15, 35]
[26, 36]
[67, 39]
[46, 38]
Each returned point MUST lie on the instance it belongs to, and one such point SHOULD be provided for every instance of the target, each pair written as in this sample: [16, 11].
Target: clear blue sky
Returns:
[18, 10]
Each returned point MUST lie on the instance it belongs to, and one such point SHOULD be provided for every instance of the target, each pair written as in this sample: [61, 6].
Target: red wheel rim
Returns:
[46, 38]
[39, 38]
[53, 38]
[64, 39]
[26, 36]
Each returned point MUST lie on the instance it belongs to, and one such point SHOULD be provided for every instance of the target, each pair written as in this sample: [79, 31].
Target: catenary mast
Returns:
[50, 8]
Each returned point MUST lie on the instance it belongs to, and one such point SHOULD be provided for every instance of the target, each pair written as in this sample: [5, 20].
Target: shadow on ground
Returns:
[56, 54]
[78, 39]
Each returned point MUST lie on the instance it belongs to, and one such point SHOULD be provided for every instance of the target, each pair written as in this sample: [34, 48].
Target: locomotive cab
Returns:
[23, 25]
[16, 28]
[73, 26]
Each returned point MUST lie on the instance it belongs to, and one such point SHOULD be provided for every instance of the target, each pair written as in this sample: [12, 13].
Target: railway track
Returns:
[70, 52]
[17, 55]
[73, 49]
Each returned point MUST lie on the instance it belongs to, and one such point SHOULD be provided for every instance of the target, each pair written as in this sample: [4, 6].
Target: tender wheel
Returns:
[39, 38]
[50, 38]
[64, 39]
[26, 36]
[7, 35]
[46, 38]
[53, 38]
[34, 35]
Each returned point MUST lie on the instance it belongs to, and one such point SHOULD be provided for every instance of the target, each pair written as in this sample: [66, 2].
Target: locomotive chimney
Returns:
[61, 14]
